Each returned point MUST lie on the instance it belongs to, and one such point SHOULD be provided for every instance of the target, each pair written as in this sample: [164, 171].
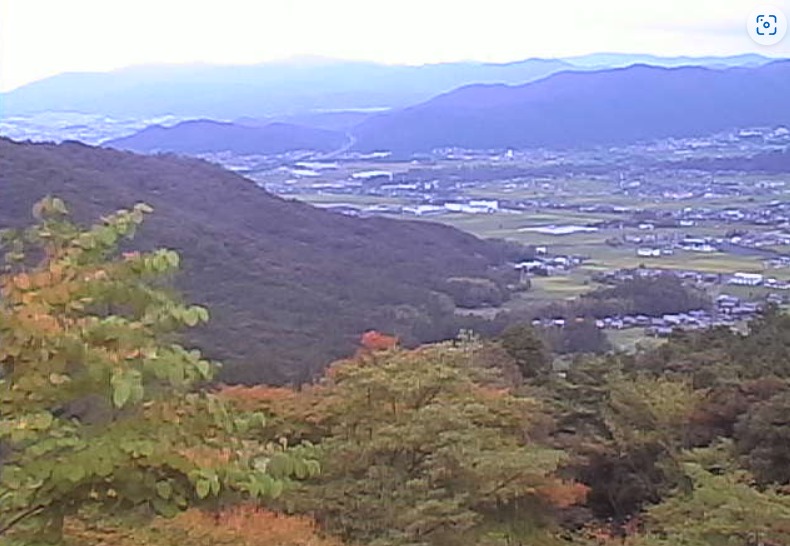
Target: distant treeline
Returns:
[770, 162]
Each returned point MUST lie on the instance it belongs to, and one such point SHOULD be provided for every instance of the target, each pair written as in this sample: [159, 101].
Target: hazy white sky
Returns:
[40, 38]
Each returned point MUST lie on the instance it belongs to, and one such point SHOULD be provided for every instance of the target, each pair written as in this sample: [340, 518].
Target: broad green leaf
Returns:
[106, 236]
[175, 374]
[138, 393]
[266, 483]
[12, 476]
[215, 486]
[313, 467]
[300, 469]
[103, 467]
[122, 391]
[58, 378]
[204, 368]
[203, 488]
[191, 317]
[165, 508]
[276, 489]
[172, 259]
[164, 489]
[74, 472]
[59, 206]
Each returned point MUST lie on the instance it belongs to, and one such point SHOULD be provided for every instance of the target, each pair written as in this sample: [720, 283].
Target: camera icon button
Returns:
[767, 25]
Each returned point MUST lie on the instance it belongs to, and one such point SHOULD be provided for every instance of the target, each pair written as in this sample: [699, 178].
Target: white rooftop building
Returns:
[747, 279]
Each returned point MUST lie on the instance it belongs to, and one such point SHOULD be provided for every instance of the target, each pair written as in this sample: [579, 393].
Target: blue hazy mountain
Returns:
[290, 87]
[620, 60]
[575, 108]
[277, 88]
[340, 120]
[202, 136]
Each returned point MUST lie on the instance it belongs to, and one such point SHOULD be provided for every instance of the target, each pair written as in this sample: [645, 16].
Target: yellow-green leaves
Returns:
[164, 489]
[207, 483]
[194, 315]
[415, 449]
[281, 465]
[97, 405]
[203, 488]
[144, 208]
[644, 410]
[204, 367]
[127, 387]
[49, 206]
[721, 507]
[59, 206]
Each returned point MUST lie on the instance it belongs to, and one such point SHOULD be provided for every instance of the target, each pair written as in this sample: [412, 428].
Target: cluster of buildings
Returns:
[87, 128]
[543, 265]
[700, 278]
[472, 206]
[728, 311]
[752, 243]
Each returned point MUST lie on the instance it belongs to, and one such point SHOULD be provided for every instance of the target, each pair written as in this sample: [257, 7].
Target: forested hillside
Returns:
[112, 434]
[291, 287]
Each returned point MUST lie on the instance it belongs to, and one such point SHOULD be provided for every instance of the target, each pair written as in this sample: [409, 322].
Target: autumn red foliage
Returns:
[564, 494]
[257, 398]
[376, 341]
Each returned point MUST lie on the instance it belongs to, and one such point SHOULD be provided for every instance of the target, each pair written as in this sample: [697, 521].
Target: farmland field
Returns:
[596, 212]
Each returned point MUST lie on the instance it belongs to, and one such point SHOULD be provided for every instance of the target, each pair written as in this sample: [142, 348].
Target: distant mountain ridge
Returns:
[204, 136]
[336, 120]
[292, 87]
[277, 88]
[600, 61]
[573, 108]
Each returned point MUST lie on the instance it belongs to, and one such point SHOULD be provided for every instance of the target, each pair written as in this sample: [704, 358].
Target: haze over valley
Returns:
[604, 162]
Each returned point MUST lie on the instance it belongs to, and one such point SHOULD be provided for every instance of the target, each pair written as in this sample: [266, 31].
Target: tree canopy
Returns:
[100, 410]
[113, 432]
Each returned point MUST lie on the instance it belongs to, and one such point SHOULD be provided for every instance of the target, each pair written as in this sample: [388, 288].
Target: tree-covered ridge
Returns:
[290, 286]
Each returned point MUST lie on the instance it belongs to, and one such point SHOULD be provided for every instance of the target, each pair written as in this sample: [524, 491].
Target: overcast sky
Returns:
[40, 38]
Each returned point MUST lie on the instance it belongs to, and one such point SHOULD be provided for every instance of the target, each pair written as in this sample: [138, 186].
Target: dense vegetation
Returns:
[289, 286]
[111, 433]
[652, 296]
[769, 162]
[99, 411]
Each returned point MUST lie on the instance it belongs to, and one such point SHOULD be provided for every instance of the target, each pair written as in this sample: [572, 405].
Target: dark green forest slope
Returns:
[291, 287]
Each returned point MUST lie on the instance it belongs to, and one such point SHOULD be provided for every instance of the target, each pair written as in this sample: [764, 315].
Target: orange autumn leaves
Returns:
[315, 411]
[244, 525]
[248, 525]
[35, 295]
[307, 405]
[564, 494]
[376, 341]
